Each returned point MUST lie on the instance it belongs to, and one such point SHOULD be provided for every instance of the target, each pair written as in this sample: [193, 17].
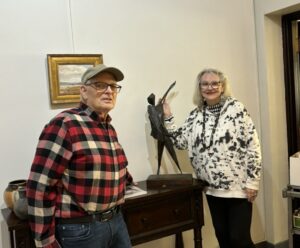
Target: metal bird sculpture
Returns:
[158, 130]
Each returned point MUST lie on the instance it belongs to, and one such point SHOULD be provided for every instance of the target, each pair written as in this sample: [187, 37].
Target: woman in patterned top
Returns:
[224, 151]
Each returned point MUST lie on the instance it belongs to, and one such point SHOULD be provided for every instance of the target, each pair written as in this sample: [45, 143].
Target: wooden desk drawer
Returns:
[161, 213]
[154, 215]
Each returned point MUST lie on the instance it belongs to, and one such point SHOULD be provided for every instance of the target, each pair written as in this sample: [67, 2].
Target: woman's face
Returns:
[211, 88]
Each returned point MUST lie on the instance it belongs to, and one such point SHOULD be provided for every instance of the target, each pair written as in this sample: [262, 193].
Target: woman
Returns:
[224, 151]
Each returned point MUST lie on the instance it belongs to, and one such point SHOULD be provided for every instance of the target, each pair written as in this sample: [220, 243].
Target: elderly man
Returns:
[78, 176]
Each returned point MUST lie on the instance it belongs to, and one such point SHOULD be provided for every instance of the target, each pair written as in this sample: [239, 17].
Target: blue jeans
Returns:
[109, 234]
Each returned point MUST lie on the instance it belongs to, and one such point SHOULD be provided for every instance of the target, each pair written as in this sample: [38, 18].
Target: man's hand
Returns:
[129, 179]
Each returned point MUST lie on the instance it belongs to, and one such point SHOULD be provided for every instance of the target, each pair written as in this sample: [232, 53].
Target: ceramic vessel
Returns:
[20, 206]
[10, 194]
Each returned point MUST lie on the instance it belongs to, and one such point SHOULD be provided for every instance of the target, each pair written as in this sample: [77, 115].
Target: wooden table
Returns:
[159, 213]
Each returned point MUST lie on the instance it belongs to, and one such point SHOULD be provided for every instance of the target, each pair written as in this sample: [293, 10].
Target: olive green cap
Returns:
[93, 71]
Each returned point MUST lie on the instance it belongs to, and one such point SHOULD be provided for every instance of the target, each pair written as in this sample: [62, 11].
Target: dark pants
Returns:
[108, 234]
[231, 218]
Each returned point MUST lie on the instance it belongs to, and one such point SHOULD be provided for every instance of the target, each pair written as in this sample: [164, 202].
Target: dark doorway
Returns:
[291, 54]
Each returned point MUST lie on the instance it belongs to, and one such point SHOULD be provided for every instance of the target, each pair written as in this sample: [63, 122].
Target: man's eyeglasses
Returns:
[213, 84]
[102, 87]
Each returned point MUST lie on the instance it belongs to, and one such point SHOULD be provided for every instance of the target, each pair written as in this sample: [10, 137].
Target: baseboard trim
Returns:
[265, 244]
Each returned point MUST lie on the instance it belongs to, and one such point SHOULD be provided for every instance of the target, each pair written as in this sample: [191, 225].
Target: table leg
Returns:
[197, 238]
[179, 240]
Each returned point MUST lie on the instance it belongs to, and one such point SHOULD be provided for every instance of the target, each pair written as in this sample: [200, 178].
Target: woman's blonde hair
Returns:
[198, 99]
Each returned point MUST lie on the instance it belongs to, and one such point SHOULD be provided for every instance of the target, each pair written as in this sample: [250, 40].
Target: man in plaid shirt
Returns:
[78, 176]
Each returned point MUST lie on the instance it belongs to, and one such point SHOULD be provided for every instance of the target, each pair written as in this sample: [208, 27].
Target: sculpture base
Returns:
[166, 181]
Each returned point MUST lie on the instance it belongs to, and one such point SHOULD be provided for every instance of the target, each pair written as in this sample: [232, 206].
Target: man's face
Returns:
[97, 96]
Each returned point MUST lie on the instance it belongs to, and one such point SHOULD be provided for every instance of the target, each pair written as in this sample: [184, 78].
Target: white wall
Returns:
[153, 42]
[273, 116]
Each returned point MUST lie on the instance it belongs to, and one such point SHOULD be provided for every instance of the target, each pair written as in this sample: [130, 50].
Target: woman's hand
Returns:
[167, 110]
[251, 194]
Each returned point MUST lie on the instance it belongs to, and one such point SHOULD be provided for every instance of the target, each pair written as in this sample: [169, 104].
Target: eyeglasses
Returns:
[213, 84]
[102, 87]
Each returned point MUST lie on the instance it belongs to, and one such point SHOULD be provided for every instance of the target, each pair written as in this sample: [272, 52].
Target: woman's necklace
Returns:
[205, 147]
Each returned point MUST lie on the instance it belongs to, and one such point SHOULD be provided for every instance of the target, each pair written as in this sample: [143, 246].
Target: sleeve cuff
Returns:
[252, 184]
[170, 118]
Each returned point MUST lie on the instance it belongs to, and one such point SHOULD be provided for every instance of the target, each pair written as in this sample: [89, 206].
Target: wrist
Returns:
[168, 118]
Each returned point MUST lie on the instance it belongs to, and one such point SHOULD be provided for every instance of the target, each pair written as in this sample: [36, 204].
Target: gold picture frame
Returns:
[65, 71]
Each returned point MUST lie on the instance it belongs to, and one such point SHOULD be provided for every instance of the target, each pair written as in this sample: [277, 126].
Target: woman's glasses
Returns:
[213, 84]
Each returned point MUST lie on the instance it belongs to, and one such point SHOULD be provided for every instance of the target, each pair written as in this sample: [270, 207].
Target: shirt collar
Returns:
[90, 112]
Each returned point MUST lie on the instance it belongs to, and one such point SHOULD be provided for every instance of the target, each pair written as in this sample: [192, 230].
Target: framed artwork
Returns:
[65, 71]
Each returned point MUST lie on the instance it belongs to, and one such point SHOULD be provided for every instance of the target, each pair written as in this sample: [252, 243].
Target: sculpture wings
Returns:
[158, 130]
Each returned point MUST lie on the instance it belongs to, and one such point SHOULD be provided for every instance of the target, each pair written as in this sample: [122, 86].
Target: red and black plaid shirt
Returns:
[79, 168]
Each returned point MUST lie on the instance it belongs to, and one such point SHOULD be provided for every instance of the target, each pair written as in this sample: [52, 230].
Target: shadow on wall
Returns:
[257, 224]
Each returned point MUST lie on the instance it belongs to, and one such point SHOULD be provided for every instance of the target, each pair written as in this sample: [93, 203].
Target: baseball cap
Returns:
[93, 71]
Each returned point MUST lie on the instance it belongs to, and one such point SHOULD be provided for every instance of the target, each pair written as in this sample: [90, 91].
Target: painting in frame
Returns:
[65, 71]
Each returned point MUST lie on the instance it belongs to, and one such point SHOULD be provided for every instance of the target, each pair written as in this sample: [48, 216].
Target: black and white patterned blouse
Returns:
[224, 149]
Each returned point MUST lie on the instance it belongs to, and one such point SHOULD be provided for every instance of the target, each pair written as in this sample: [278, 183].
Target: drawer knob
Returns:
[144, 220]
[176, 211]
